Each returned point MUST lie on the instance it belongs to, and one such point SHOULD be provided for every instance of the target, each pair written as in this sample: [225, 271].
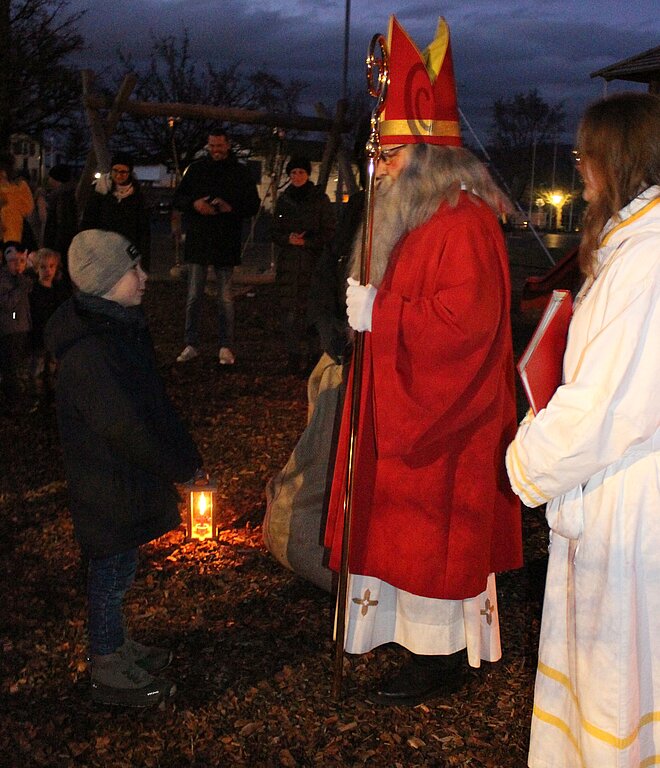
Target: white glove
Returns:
[359, 304]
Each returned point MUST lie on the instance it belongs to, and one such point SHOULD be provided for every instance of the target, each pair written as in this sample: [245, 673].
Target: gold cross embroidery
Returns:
[366, 602]
[488, 611]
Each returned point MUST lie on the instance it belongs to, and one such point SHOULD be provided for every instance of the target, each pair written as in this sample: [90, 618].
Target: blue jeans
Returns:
[196, 283]
[108, 580]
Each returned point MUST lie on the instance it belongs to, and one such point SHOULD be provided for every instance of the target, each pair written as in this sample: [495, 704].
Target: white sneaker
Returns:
[226, 356]
[189, 353]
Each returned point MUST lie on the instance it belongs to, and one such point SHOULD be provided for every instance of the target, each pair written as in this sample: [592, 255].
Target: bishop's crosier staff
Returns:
[377, 82]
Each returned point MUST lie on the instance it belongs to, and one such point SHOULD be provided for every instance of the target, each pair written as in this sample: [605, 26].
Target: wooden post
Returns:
[99, 139]
[116, 110]
[343, 159]
[333, 142]
[217, 113]
[346, 171]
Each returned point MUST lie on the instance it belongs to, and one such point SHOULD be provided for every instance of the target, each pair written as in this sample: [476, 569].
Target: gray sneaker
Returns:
[117, 680]
[149, 657]
[189, 353]
[226, 356]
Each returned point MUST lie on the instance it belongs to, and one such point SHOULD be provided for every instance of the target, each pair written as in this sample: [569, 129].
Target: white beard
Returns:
[432, 175]
[388, 229]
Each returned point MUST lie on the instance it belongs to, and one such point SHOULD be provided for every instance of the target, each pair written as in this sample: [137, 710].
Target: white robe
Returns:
[378, 613]
[594, 456]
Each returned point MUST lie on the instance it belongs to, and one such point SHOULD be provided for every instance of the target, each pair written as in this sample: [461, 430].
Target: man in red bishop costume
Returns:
[433, 518]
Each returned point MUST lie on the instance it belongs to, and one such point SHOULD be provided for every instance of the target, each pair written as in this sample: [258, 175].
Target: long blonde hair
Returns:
[620, 137]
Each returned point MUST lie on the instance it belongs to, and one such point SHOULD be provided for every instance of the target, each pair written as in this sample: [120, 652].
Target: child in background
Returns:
[15, 324]
[48, 293]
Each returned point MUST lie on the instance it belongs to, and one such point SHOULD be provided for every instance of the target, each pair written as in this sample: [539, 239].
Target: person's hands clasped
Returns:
[203, 206]
[297, 238]
[207, 207]
[359, 304]
[221, 206]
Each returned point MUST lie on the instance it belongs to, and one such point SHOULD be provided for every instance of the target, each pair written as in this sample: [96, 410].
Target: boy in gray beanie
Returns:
[99, 259]
[124, 448]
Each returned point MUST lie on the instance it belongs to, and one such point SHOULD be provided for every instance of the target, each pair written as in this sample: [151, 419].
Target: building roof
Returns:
[642, 68]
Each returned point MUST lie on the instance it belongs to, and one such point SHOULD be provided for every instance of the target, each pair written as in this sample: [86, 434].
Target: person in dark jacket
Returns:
[303, 227]
[124, 448]
[327, 292]
[61, 223]
[215, 195]
[15, 323]
[117, 205]
[48, 292]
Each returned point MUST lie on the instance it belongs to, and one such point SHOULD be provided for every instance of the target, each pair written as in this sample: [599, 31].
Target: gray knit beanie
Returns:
[98, 259]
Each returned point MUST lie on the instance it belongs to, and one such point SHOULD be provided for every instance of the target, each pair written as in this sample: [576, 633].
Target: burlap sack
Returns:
[294, 497]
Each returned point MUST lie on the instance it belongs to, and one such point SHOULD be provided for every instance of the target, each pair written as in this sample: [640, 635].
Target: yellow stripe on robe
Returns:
[597, 733]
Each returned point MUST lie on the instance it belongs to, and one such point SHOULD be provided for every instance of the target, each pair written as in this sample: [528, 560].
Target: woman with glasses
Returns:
[117, 205]
[593, 456]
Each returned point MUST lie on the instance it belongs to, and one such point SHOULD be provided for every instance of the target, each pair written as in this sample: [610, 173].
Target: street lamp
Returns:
[558, 200]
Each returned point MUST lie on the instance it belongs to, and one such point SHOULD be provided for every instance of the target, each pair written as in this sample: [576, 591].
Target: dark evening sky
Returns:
[501, 47]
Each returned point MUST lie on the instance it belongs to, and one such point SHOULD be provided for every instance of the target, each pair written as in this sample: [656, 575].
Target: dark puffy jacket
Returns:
[61, 224]
[14, 302]
[327, 292]
[128, 216]
[123, 444]
[216, 239]
[304, 209]
[43, 302]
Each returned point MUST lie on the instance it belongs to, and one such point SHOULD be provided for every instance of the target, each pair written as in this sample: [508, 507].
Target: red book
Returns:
[541, 364]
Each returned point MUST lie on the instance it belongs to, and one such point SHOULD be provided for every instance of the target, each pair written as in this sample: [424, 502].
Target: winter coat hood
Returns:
[82, 316]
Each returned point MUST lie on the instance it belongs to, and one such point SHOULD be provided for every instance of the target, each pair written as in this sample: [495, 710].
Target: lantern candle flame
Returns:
[201, 514]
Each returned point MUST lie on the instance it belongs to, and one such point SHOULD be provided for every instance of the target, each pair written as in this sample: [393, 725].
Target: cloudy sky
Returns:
[501, 47]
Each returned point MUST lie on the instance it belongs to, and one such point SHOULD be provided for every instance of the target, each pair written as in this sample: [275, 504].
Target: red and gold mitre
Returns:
[421, 104]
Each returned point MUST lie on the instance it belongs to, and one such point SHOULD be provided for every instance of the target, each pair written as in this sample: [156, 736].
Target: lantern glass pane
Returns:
[201, 515]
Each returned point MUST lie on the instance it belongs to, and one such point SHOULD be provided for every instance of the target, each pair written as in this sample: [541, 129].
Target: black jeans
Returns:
[13, 355]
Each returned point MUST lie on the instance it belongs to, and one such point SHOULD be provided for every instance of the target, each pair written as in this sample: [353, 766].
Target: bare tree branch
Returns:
[38, 90]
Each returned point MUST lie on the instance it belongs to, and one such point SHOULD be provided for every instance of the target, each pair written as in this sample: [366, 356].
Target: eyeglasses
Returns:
[577, 158]
[120, 171]
[387, 155]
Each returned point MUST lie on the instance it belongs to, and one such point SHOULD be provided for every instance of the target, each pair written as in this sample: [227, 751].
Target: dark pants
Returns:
[108, 580]
[13, 356]
[300, 338]
[197, 274]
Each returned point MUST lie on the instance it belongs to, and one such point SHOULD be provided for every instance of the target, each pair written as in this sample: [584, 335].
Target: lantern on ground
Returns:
[201, 518]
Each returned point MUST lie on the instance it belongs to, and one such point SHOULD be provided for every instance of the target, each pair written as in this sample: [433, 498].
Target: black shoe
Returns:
[117, 680]
[421, 679]
[151, 658]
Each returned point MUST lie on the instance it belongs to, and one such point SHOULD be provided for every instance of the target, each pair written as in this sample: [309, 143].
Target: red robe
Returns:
[433, 512]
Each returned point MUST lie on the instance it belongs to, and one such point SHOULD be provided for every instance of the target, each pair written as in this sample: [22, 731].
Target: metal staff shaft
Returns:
[377, 80]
